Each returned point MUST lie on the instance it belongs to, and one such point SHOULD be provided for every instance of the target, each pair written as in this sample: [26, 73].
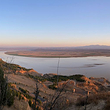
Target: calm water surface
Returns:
[89, 66]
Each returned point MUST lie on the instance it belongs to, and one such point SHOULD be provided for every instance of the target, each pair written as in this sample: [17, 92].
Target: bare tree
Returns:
[57, 96]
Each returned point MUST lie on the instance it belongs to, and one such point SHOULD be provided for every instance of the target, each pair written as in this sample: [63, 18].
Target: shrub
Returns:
[94, 99]
[20, 97]
[23, 90]
[6, 94]
[52, 86]
[30, 102]
[107, 105]
[39, 101]
[10, 95]
[65, 78]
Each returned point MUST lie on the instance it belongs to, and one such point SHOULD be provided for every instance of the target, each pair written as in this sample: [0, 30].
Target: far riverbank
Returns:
[62, 53]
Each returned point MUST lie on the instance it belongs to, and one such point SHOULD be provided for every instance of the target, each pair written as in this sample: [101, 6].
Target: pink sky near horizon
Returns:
[48, 23]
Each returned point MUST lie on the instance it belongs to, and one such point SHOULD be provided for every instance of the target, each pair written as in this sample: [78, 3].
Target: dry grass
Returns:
[95, 99]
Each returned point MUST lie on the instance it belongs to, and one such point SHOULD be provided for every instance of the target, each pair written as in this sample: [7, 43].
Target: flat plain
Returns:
[61, 53]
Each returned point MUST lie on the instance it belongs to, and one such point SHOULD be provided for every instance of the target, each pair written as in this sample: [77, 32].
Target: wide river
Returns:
[88, 66]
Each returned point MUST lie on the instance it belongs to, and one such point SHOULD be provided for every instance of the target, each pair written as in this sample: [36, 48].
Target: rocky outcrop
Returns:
[101, 80]
[91, 84]
[49, 75]
[69, 84]
[31, 72]
[34, 73]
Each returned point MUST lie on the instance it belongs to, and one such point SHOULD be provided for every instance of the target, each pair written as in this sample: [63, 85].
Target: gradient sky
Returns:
[54, 22]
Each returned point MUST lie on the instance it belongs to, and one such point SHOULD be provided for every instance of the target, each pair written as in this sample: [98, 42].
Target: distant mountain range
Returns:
[94, 47]
[54, 48]
[72, 48]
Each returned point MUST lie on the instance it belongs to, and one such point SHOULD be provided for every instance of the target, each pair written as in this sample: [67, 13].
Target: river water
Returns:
[88, 66]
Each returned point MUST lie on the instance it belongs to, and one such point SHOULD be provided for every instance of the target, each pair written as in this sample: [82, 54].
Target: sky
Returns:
[54, 23]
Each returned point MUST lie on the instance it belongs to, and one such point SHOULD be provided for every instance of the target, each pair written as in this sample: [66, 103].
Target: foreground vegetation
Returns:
[6, 94]
[10, 66]
[46, 92]
[59, 77]
[95, 99]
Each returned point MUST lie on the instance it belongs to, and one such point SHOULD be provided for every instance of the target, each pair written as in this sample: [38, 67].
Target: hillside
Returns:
[69, 89]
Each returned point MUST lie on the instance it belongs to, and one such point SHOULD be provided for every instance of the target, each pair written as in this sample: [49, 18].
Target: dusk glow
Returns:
[56, 23]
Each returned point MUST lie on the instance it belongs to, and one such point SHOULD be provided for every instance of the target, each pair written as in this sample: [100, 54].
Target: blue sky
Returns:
[54, 22]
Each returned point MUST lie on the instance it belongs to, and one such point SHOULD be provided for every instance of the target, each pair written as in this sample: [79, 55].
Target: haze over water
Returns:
[88, 66]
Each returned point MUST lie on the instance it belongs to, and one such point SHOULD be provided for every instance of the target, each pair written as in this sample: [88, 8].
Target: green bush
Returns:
[23, 90]
[30, 102]
[39, 101]
[6, 94]
[65, 78]
[20, 97]
[10, 100]
[52, 86]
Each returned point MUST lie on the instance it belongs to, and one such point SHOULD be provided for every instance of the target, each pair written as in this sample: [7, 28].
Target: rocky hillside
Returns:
[16, 69]
[52, 88]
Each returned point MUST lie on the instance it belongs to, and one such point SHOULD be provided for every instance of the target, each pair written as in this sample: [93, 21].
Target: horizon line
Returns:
[48, 46]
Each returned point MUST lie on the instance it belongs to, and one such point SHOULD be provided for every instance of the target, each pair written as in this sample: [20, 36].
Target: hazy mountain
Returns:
[72, 48]
[54, 48]
[94, 47]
